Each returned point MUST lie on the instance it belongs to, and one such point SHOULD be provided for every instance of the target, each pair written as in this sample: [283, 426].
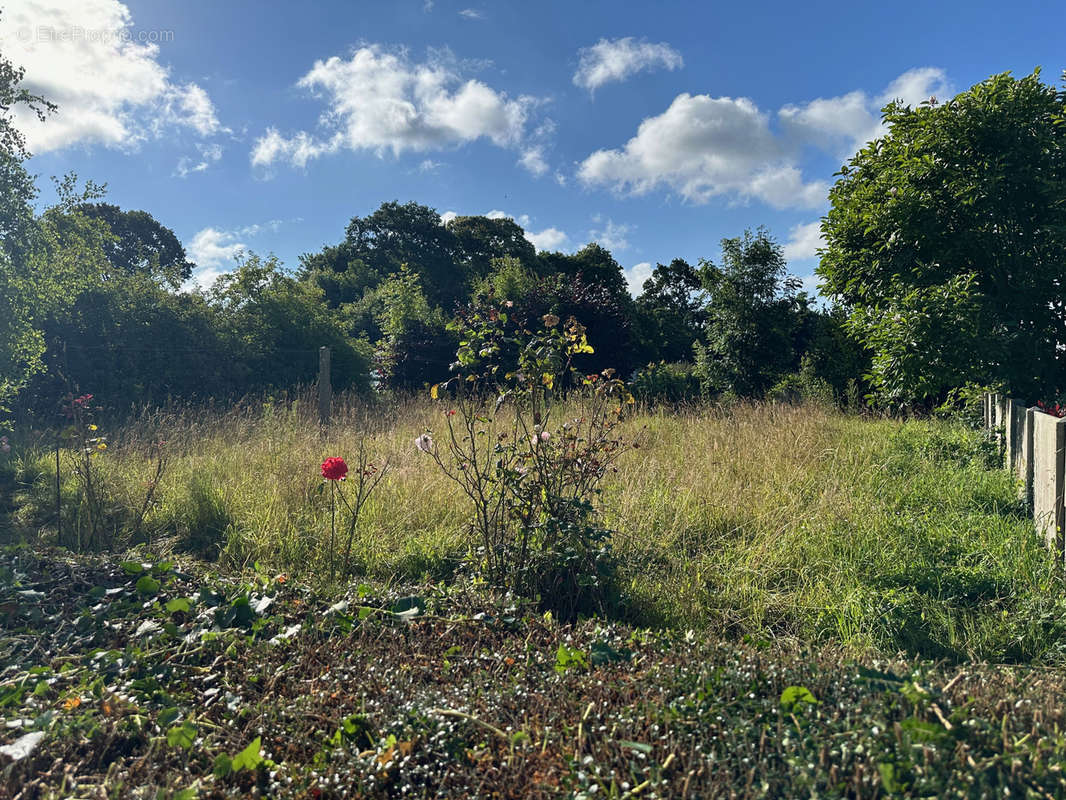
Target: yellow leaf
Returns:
[92, 427]
[548, 380]
[433, 391]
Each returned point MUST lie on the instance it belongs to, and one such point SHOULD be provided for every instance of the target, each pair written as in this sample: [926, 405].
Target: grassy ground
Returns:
[763, 520]
[155, 680]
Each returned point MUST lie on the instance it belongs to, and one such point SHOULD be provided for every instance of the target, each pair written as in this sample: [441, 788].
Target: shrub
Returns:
[667, 382]
[530, 479]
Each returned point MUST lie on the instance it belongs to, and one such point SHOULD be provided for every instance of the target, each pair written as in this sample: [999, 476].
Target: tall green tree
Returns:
[21, 342]
[753, 317]
[481, 240]
[946, 243]
[141, 245]
[672, 304]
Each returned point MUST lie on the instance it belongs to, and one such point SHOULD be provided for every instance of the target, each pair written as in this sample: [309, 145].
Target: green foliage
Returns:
[753, 316]
[531, 483]
[666, 383]
[672, 304]
[141, 246]
[804, 386]
[945, 242]
[415, 347]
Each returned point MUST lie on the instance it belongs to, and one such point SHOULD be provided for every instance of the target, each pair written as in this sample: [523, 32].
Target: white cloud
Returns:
[916, 85]
[447, 217]
[803, 241]
[702, 147]
[533, 160]
[636, 275]
[209, 154]
[103, 74]
[612, 235]
[549, 239]
[381, 101]
[215, 251]
[471, 13]
[848, 122]
[617, 59]
[521, 219]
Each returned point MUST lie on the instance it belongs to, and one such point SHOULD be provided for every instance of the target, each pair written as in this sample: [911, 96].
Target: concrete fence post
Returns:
[1049, 450]
[1000, 422]
[325, 388]
[988, 410]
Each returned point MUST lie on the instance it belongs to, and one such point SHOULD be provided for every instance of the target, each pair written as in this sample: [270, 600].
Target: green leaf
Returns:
[167, 716]
[182, 735]
[181, 604]
[132, 567]
[795, 697]
[567, 658]
[223, 766]
[249, 757]
[146, 584]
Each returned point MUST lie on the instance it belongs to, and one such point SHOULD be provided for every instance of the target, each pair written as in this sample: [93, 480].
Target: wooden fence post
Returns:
[1014, 431]
[325, 389]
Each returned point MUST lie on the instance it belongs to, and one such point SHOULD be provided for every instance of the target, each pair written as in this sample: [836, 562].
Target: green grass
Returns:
[766, 521]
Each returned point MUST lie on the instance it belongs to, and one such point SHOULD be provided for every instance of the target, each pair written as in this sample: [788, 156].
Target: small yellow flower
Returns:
[101, 446]
[92, 427]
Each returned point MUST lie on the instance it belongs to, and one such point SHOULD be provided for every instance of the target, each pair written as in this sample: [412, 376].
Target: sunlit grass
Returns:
[762, 520]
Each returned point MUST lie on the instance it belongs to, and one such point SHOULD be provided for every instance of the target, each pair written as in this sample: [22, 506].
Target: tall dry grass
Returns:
[760, 519]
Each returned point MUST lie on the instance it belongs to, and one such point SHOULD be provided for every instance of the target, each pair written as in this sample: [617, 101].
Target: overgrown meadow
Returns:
[802, 602]
[758, 519]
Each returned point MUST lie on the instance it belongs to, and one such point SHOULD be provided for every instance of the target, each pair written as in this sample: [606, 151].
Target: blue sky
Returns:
[653, 128]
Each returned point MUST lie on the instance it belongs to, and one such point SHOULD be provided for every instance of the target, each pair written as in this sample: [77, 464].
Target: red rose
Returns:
[334, 469]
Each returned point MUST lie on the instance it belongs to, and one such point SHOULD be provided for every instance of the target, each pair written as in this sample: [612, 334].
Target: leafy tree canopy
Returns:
[141, 245]
[946, 239]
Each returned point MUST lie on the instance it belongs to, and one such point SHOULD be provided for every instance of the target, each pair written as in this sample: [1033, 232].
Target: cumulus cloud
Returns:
[617, 59]
[215, 251]
[612, 235]
[636, 275]
[803, 241]
[848, 122]
[381, 101]
[533, 160]
[702, 147]
[104, 75]
[471, 13]
[549, 239]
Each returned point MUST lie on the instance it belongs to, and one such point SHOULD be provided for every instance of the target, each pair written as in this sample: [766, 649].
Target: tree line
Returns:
[944, 264]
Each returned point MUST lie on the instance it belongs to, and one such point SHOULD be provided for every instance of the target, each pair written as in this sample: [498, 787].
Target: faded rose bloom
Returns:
[4, 446]
[550, 320]
[424, 443]
[545, 436]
